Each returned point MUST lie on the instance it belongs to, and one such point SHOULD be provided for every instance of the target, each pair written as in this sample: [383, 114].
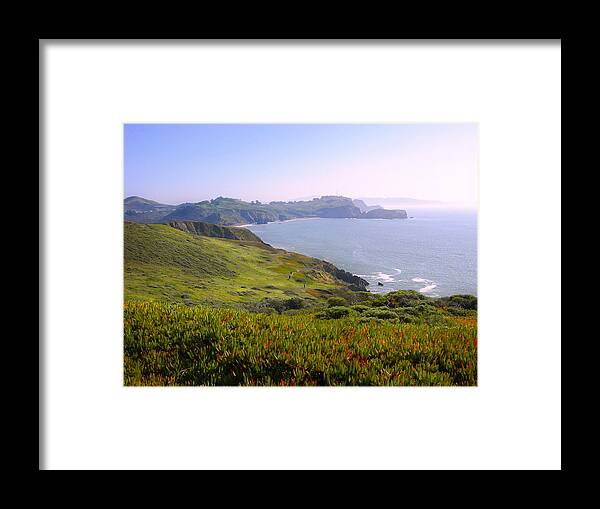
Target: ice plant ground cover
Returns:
[172, 344]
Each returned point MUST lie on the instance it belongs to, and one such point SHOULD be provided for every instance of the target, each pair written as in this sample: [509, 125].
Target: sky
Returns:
[176, 163]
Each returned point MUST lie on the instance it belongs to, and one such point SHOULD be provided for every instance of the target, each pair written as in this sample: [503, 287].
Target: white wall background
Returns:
[511, 420]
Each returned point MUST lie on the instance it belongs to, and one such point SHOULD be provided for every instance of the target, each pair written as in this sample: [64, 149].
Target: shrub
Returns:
[334, 312]
[360, 308]
[426, 309]
[407, 311]
[379, 301]
[405, 298]
[463, 301]
[276, 304]
[294, 303]
[336, 301]
[383, 313]
[360, 296]
[404, 317]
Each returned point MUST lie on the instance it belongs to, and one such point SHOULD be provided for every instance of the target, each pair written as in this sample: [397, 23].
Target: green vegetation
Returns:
[201, 310]
[334, 312]
[214, 230]
[165, 264]
[336, 301]
[168, 344]
[403, 306]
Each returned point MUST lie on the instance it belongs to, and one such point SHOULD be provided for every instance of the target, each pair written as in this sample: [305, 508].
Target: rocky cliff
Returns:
[338, 212]
[355, 283]
[364, 207]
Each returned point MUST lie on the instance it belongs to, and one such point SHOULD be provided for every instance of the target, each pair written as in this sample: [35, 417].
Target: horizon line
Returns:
[399, 198]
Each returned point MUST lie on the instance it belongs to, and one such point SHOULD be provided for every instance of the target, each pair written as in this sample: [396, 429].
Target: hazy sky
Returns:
[175, 163]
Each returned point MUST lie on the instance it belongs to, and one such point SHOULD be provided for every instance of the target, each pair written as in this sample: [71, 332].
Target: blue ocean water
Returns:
[433, 252]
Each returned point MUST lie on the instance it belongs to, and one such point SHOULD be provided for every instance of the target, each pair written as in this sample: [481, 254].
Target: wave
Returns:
[421, 280]
[379, 276]
[382, 276]
[429, 284]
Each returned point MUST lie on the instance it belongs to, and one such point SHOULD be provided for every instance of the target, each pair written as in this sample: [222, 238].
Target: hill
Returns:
[364, 207]
[384, 214]
[164, 263]
[231, 211]
[216, 231]
[142, 204]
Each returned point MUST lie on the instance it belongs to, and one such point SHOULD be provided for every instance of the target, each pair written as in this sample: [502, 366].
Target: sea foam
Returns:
[382, 276]
[378, 276]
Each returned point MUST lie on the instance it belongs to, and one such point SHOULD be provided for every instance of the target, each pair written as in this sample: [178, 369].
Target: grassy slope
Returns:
[176, 345]
[166, 264]
[215, 230]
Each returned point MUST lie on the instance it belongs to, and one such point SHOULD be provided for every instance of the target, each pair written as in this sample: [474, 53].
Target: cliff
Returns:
[364, 207]
[339, 212]
[213, 230]
[355, 283]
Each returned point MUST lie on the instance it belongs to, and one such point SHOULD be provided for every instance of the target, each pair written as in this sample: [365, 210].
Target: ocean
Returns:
[433, 252]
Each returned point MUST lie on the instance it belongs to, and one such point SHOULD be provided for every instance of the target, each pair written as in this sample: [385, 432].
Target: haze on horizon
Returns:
[176, 163]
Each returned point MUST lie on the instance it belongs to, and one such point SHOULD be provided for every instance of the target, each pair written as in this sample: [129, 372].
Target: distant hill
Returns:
[364, 207]
[142, 204]
[231, 211]
[164, 263]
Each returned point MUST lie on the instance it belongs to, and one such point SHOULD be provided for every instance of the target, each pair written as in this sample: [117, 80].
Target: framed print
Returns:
[278, 255]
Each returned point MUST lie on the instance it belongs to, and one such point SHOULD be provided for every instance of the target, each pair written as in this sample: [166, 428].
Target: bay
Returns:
[433, 252]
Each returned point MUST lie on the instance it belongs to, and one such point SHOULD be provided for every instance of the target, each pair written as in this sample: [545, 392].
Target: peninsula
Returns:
[231, 211]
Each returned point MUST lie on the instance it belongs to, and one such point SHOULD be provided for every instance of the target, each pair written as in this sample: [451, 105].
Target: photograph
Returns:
[300, 254]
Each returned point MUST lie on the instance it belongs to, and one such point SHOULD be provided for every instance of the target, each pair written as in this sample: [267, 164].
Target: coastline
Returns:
[271, 222]
[318, 217]
[366, 257]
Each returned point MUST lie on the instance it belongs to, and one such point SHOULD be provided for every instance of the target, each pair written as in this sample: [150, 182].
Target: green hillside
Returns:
[139, 203]
[163, 263]
[214, 230]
